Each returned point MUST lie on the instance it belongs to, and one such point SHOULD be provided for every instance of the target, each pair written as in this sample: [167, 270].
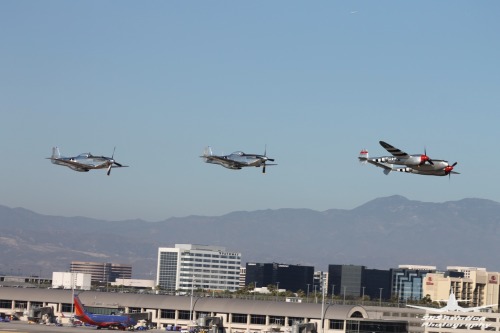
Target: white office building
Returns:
[67, 280]
[187, 266]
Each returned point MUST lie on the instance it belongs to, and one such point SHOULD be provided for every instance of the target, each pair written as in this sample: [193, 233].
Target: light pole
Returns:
[333, 291]
[277, 290]
[344, 294]
[315, 296]
[254, 289]
[380, 298]
[323, 306]
[363, 297]
[191, 306]
[73, 278]
[308, 292]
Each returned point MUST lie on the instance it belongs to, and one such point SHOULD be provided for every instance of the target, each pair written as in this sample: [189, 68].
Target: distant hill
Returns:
[382, 233]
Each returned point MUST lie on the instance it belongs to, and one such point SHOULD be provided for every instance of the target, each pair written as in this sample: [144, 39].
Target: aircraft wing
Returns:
[393, 150]
[387, 167]
[426, 308]
[477, 308]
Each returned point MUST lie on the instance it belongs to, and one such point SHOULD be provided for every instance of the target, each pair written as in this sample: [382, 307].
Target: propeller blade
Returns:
[109, 169]
[264, 168]
[449, 168]
[426, 158]
[118, 164]
[271, 159]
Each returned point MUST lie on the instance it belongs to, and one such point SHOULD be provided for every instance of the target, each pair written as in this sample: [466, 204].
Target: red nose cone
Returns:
[448, 169]
[423, 159]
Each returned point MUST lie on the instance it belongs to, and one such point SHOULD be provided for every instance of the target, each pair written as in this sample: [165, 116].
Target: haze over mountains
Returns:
[382, 233]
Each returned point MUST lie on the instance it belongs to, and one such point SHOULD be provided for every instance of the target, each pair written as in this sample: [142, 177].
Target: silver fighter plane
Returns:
[237, 160]
[85, 162]
[400, 161]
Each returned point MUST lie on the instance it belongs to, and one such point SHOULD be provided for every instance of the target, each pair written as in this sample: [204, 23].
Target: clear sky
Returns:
[314, 81]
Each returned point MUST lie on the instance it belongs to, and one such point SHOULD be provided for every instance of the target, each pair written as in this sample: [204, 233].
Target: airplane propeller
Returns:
[265, 158]
[448, 169]
[111, 161]
[424, 158]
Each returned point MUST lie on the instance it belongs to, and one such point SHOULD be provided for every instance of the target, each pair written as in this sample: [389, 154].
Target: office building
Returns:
[188, 266]
[474, 286]
[287, 277]
[357, 281]
[66, 280]
[376, 283]
[407, 281]
[102, 272]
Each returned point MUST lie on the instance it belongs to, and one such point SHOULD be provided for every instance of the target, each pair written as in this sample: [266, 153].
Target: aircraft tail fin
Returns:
[363, 156]
[79, 309]
[55, 153]
[208, 151]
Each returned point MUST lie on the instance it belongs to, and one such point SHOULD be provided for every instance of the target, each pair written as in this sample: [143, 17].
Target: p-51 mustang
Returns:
[102, 321]
[85, 162]
[237, 160]
[420, 164]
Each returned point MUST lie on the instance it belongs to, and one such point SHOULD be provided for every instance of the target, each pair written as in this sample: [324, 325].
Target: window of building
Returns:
[66, 307]
[185, 315]
[258, 319]
[105, 311]
[36, 304]
[20, 304]
[202, 314]
[376, 326]
[134, 310]
[295, 320]
[336, 324]
[276, 320]
[167, 314]
[357, 314]
[5, 304]
[239, 318]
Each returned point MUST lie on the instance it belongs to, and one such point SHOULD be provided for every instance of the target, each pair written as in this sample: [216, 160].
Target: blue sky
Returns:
[314, 81]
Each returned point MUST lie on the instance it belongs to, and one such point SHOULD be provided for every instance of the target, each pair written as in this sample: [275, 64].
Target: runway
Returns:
[22, 327]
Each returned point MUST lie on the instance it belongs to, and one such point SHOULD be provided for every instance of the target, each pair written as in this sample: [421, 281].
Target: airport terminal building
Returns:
[250, 316]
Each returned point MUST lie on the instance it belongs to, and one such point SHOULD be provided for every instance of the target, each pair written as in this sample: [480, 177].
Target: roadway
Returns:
[24, 327]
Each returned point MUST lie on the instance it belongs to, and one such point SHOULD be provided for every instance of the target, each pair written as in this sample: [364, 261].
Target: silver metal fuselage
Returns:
[237, 160]
[84, 162]
[412, 160]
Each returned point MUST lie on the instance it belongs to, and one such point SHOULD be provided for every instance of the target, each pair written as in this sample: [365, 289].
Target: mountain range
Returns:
[381, 233]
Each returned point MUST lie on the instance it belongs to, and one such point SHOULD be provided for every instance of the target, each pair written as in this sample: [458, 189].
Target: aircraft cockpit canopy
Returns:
[239, 153]
[85, 155]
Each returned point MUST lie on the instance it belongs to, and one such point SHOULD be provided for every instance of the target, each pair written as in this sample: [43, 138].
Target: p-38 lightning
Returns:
[420, 164]
[85, 161]
[237, 160]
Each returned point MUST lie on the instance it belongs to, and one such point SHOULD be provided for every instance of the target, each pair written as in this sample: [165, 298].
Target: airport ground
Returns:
[24, 327]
